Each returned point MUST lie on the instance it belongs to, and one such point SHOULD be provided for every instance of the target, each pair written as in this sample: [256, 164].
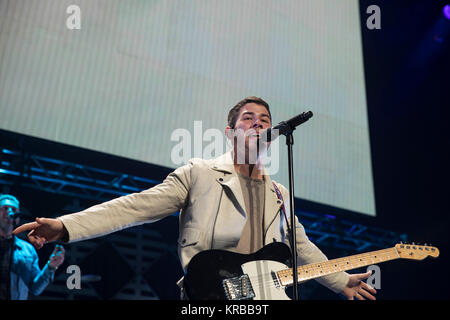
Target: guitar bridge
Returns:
[238, 288]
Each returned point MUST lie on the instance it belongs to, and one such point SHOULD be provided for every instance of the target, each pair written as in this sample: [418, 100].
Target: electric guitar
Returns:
[264, 275]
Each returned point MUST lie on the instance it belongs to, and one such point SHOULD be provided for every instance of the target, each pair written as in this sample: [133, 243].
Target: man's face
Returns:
[253, 119]
[6, 223]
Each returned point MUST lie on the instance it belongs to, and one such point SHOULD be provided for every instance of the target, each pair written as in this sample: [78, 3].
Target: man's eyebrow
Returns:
[252, 113]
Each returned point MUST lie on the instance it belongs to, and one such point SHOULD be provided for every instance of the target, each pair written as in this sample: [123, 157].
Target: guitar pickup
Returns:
[238, 288]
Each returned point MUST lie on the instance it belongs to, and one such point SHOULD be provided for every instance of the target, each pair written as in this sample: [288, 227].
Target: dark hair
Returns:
[234, 112]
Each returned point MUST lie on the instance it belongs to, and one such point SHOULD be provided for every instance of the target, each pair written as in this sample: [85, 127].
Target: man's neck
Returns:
[249, 170]
[252, 170]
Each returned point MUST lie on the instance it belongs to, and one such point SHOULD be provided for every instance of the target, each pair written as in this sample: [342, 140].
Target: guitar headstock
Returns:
[416, 252]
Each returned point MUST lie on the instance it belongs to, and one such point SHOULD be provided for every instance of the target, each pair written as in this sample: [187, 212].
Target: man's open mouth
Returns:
[253, 134]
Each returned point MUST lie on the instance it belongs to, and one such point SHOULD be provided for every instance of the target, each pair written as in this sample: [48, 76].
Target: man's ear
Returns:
[228, 132]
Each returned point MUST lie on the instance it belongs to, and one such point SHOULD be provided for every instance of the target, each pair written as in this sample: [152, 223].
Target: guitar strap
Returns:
[283, 209]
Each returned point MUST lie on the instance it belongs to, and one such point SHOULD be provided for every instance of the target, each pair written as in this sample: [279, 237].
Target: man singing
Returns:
[227, 203]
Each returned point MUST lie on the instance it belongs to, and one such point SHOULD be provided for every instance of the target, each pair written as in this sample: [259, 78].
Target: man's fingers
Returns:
[59, 254]
[26, 227]
[359, 297]
[59, 248]
[44, 220]
[364, 275]
[367, 295]
[37, 241]
[369, 288]
[365, 291]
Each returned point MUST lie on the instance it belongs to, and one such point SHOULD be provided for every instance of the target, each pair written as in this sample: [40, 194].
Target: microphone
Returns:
[285, 127]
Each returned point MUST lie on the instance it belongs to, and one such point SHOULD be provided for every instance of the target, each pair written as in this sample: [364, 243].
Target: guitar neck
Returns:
[316, 270]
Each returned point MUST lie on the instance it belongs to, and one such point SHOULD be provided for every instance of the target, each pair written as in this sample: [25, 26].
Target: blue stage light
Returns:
[446, 11]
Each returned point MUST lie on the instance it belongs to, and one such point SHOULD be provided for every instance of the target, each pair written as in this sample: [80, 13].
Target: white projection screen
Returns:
[120, 77]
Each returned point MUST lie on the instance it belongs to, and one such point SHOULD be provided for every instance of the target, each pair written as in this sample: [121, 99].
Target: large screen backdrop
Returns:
[121, 77]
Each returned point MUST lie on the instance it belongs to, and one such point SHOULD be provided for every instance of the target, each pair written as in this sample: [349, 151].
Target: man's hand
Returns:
[356, 288]
[57, 257]
[43, 231]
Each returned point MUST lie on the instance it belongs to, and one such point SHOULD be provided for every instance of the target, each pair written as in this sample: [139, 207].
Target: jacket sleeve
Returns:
[134, 209]
[308, 252]
[40, 278]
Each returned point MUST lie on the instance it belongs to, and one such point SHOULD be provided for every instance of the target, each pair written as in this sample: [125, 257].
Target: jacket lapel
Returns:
[230, 181]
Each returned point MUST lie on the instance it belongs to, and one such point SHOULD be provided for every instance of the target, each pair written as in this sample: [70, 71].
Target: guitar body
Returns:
[225, 275]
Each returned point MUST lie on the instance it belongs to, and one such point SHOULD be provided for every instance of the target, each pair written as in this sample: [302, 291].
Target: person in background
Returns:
[20, 273]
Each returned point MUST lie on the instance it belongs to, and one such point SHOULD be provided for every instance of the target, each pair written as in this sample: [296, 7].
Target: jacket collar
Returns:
[224, 163]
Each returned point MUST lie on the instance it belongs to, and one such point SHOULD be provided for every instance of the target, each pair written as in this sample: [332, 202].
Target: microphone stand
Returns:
[290, 143]
[286, 128]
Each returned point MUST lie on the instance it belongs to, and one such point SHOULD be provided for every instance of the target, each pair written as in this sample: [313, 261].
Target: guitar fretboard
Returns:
[316, 270]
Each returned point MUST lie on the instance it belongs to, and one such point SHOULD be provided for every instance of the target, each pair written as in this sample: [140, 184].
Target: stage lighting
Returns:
[447, 11]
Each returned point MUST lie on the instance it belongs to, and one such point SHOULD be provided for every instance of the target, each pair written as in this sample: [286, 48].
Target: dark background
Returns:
[407, 65]
[407, 73]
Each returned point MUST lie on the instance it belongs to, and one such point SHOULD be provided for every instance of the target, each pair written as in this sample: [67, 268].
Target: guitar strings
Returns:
[266, 279]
